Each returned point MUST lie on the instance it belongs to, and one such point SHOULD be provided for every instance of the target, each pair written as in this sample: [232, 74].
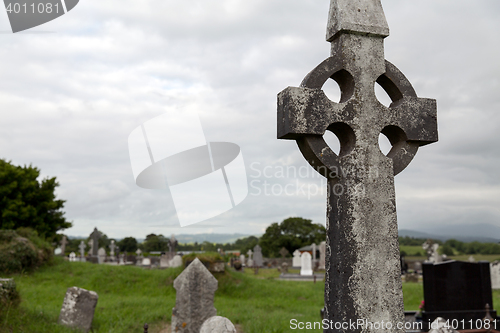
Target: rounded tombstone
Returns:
[217, 324]
[237, 265]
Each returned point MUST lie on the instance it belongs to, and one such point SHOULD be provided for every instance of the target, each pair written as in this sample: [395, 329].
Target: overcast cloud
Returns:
[73, 89]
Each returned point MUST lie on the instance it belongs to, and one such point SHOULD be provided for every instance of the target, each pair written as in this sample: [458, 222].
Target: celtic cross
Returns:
[362, 253]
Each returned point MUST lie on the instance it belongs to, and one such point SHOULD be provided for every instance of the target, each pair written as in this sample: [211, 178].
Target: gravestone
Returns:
[123, 259]
[112, 248]
[242, 259]
[78, 308]
[82, 248]
[322, 252]
[94, 237]
[64, 242]
[165, 259]
[57, 251]
[284, 268]
[72, 256]
[313, 246]
[172, 244]
[361, 210]
[296, 262]
[258, 261]
[194, 302]
[284, 252]
[138, 257]
[101, 256]
[495, 274]
[417, 267]
[456, 290]
[146, 262]
[471, 259]
[250, 258]
[176, 261]
[306, 264]
[217, 324]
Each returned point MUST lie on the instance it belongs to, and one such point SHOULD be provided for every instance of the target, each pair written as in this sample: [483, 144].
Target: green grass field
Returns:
[131, 296]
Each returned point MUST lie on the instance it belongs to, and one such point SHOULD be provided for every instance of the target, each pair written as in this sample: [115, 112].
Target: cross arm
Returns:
[304, 111]
[417, 117]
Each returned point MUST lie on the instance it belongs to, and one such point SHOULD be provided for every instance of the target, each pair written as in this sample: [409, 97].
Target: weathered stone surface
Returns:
[306, 264]
[242, 259]
[362, 261]
[358, 16]
[78, 308]
[194, 302]
[217, 324]
[82, 248]
[8, 293]
[258, 261]
[250, 259]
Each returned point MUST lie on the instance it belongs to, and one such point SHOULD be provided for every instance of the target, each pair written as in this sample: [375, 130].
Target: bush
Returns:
[22, 250]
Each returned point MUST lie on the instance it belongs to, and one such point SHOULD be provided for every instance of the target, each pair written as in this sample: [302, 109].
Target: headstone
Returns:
[78, 308]
[112, 248]
[284, 252]
[440, 325]
[72, 256]
[284, 268]
[146, 262]
[57, 251]
[411, 277]
[361, 210]
[101, 255]
[417, 267]
[94, 236]
[82, 248]
[250, 258]
[495, 274]
[258, 261]
[176, 261]
[194, 303]
[471, 259]
[64, 241]
[306, 264]
[138, 257]
[242, 259]
[217, 324]
[172, 244]
[122, 259]
[296, 262]
[313, 251]
[456, 290]
[322, 253]
[165, 259]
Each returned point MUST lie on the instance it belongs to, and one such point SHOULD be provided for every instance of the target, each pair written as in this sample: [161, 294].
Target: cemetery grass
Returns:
[131, 296]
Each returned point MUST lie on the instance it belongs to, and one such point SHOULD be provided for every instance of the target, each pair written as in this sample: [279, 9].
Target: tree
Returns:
[155, 243]
[292, 233]
[27, 202]
[128, 244]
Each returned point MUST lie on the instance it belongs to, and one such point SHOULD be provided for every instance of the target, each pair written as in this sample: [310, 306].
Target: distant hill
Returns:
[212, 238]
[481, 232]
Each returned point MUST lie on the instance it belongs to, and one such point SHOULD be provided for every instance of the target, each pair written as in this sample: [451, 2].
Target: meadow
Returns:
[131, 296]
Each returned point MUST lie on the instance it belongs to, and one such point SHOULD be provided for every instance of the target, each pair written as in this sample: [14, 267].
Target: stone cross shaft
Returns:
[362, 254]
[94, 236]
[82, 247]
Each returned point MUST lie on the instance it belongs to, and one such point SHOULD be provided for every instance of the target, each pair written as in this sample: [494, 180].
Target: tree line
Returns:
[454, 247]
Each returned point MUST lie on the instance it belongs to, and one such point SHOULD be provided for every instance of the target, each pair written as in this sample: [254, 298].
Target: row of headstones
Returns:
[166, 260]
[298, 260]
[194, 310]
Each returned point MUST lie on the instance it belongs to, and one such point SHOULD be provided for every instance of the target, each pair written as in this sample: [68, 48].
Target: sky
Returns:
[73, 89]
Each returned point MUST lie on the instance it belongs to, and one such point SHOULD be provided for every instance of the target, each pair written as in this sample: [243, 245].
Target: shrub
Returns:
[206, 258]
[22, 250]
